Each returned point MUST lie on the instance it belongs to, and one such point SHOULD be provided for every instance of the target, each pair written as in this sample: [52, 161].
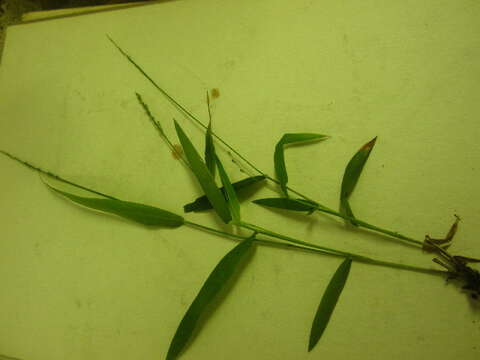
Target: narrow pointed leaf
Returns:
[210, 150]
[287, 204]
[202, 203]
[204, 176]
[328, 302]
[279, 157]
[139, 213]
[232, 200]
[215, 283]
[352, 174]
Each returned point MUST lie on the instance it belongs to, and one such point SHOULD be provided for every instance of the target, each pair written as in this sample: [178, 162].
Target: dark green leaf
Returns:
[139, 213]
[351, 175]
[217, 280]
[204, 176]
[210, 150]
[287, 204]
[328, 302]
[232, 200]
[279, 157]
[202, 203]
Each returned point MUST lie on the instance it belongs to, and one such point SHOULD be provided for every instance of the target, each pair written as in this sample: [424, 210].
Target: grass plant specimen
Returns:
[225, 202]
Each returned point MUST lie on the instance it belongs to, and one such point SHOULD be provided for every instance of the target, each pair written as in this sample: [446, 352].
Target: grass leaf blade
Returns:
[139, 213]
[286, 204]
[204, 176]
[279, 156]
[215, 283]
[202, 203]
[232, 200]
[351, 175]
[210, 150]
[328, 302]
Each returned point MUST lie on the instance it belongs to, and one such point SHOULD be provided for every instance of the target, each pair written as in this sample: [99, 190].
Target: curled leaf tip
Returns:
[279, 157]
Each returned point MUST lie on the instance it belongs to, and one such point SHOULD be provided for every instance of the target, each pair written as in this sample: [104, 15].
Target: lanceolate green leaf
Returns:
[215, 283]
[204, 176]
[202, 203]
[328, 302]
[351, 175]
[232, 200]
[286, 204]
[279, 157]
[210, 150]
[139, 213]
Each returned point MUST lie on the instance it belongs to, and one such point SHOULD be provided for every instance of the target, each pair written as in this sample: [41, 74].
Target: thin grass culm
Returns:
[224, 199]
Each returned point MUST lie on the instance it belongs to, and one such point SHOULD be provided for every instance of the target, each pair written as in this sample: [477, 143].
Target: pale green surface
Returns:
[76, 285]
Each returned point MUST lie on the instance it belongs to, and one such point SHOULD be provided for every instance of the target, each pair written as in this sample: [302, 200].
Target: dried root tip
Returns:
[442, 243]
[453, 228]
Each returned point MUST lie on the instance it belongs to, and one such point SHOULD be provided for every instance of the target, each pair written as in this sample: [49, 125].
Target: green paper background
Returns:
[76, 285]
